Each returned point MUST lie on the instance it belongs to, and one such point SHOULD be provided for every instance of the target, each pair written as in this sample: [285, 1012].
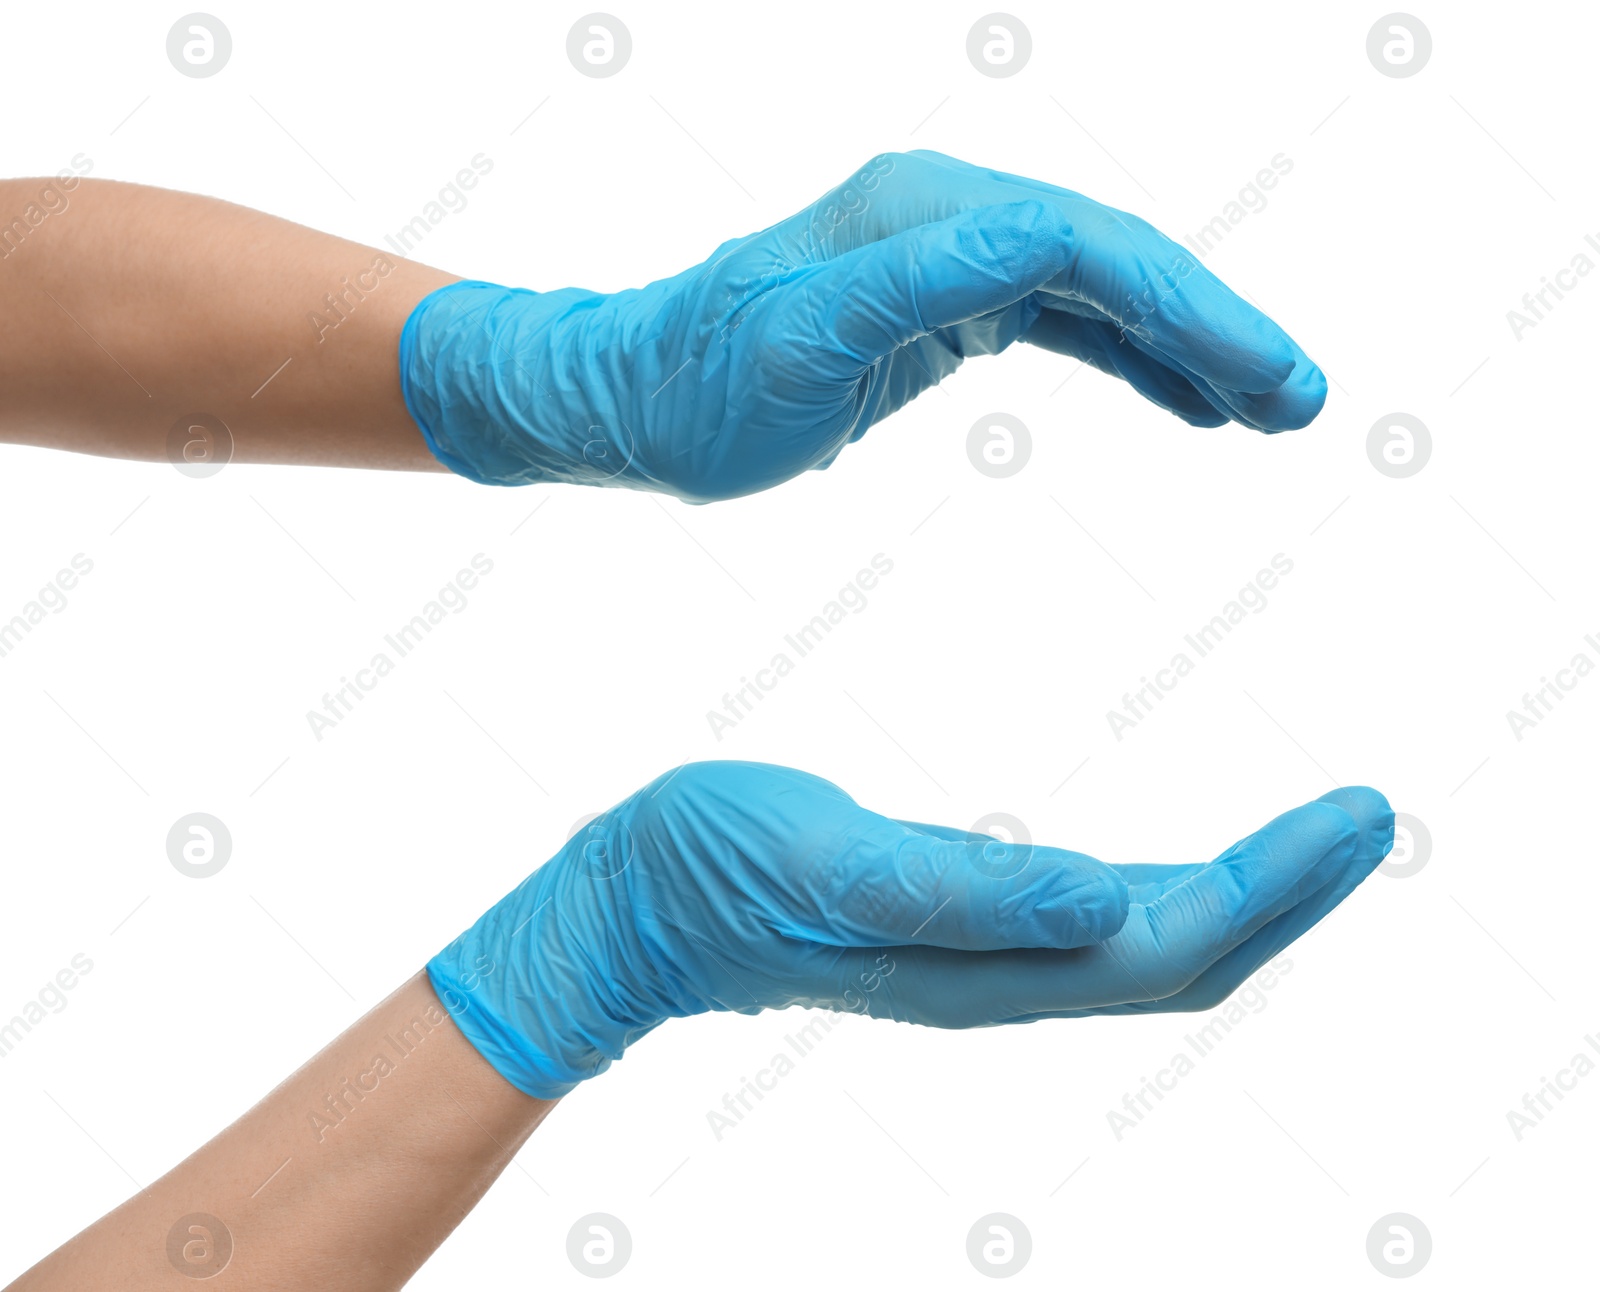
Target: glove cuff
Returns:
[547, 986]
[507, 1049]
[482, 376]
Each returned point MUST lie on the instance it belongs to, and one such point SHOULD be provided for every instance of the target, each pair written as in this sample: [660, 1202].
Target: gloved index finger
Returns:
[1159, 292]
[1225, 902]
[1148, 285]
[1168, 943]
[869, 302]
[1374, 822]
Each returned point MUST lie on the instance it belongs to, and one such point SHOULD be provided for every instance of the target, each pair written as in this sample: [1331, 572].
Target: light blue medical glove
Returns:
[741, 886]
[788, 344]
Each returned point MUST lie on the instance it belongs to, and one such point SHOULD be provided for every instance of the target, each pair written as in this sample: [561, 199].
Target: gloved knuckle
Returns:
[857, 897]
[1203, 1002]
[871, 172]
[1172, 978]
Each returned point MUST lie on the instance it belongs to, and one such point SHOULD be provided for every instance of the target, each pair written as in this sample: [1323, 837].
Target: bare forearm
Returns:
[398, 1127]
[126, 310]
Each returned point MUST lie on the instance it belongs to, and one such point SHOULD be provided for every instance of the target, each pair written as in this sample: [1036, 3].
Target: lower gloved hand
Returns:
[742, 886]
[788, 344]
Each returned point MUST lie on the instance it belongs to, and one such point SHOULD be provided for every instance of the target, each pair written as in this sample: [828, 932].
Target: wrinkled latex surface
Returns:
[743, 886]
[788, 344]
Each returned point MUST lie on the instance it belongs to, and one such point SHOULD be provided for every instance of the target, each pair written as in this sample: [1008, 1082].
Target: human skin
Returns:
[399, 1165]
[134, 308]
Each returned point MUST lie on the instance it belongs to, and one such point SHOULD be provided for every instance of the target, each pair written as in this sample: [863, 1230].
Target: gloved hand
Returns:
[788, 344]
[741, 886]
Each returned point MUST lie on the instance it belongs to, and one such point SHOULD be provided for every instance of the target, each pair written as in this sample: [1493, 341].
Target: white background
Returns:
[976, 680]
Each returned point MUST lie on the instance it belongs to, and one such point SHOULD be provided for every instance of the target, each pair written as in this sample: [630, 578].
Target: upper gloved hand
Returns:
[788, 344]
[742, 886]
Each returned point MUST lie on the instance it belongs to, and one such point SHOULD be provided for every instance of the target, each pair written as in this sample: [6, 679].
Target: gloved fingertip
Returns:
[1297, 402]
[1048, 234]
[1112, 908]
[1267, 363]
[1091, 907]
[1316, 394]
[1300, 851]
[1046, 217]
[1207, 421]
[1319, 824]
[1372, 816]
